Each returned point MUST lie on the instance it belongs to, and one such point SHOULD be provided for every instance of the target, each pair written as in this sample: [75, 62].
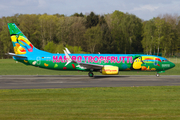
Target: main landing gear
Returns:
[91, 74]
[157, 75]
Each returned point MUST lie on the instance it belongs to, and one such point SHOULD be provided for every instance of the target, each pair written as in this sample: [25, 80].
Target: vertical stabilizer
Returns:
[20, 43]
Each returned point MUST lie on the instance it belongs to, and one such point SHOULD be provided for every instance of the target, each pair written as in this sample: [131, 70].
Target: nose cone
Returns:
[172, 65]
[168, 65]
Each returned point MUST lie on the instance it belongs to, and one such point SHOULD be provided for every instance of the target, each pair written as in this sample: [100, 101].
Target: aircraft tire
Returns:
[90, 74]
[157, 75]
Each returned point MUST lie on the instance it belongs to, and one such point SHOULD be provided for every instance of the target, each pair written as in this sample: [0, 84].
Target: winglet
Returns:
[68, 57]
[67, 51]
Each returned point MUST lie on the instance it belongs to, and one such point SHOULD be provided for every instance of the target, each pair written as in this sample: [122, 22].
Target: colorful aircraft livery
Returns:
[107, 64]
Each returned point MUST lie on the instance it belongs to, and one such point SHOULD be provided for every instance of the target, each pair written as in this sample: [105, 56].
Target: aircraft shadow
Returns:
[105, 76]
[95, 76]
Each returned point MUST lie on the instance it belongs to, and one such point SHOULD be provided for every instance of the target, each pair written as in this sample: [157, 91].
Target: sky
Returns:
[144, 9]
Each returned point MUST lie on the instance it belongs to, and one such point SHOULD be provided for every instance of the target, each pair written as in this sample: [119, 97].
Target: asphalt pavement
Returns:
[45, 82]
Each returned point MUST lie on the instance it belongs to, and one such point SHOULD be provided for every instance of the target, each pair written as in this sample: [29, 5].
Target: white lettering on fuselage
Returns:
[165, 65]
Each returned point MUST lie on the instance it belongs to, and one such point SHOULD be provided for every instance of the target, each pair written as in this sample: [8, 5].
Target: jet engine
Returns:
[110, 70]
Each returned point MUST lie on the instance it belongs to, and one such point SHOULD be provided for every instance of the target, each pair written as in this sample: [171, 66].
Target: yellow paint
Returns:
[46, 65]
[15, 50]
[23, 38]
[25, 61]
[137, 63]
[110, 70]
[19, 49]
[145, 57]
[153, 69]
[13, 38]
[148, 68]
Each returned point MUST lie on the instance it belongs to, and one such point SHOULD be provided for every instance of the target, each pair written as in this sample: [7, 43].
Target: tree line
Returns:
[117, 32]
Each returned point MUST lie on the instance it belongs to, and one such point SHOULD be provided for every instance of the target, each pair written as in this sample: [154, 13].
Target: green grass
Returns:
[10, 67]
[91, 103]
[174, 60]
[87, 103]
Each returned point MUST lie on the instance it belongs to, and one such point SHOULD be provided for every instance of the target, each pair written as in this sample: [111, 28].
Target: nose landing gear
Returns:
[157, 75]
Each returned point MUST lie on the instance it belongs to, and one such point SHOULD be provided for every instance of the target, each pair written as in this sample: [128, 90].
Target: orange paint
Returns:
[143, 68]
[25, 61]
[153, 69]
[46, 65]
[17, 44]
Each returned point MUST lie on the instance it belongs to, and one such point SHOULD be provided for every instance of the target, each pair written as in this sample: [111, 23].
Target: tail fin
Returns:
[20, 43]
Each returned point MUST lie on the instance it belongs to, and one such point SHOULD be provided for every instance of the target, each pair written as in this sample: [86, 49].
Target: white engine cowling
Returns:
[110, 70]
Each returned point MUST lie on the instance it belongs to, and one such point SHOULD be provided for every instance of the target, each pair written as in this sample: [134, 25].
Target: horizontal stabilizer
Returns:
[15, 55]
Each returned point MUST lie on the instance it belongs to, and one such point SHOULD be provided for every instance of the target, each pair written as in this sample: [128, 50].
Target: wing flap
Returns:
[91, 66]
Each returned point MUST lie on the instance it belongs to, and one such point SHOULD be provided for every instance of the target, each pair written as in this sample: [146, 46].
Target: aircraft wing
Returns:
[83, 65]
[15, 55]
[91, 66]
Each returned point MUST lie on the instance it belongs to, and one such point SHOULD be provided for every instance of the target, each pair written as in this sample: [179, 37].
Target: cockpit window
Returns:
[164, 60]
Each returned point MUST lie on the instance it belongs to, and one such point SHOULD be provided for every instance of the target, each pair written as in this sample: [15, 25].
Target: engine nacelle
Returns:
[110, 70]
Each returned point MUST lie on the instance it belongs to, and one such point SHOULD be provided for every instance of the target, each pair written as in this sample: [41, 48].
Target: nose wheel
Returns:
[90, 74]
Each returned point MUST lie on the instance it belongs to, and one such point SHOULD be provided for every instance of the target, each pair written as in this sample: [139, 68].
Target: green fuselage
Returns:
[125, 62]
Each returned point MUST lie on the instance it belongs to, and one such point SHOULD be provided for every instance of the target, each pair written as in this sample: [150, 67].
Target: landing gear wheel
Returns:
[91, 74]
[157, 75]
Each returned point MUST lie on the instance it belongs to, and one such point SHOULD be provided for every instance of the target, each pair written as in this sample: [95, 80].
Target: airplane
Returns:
[107, 64]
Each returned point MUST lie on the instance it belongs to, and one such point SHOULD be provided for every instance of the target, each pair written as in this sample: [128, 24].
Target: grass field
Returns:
[91, 103]
[132, 103]
[174, 60]
[10, 67]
